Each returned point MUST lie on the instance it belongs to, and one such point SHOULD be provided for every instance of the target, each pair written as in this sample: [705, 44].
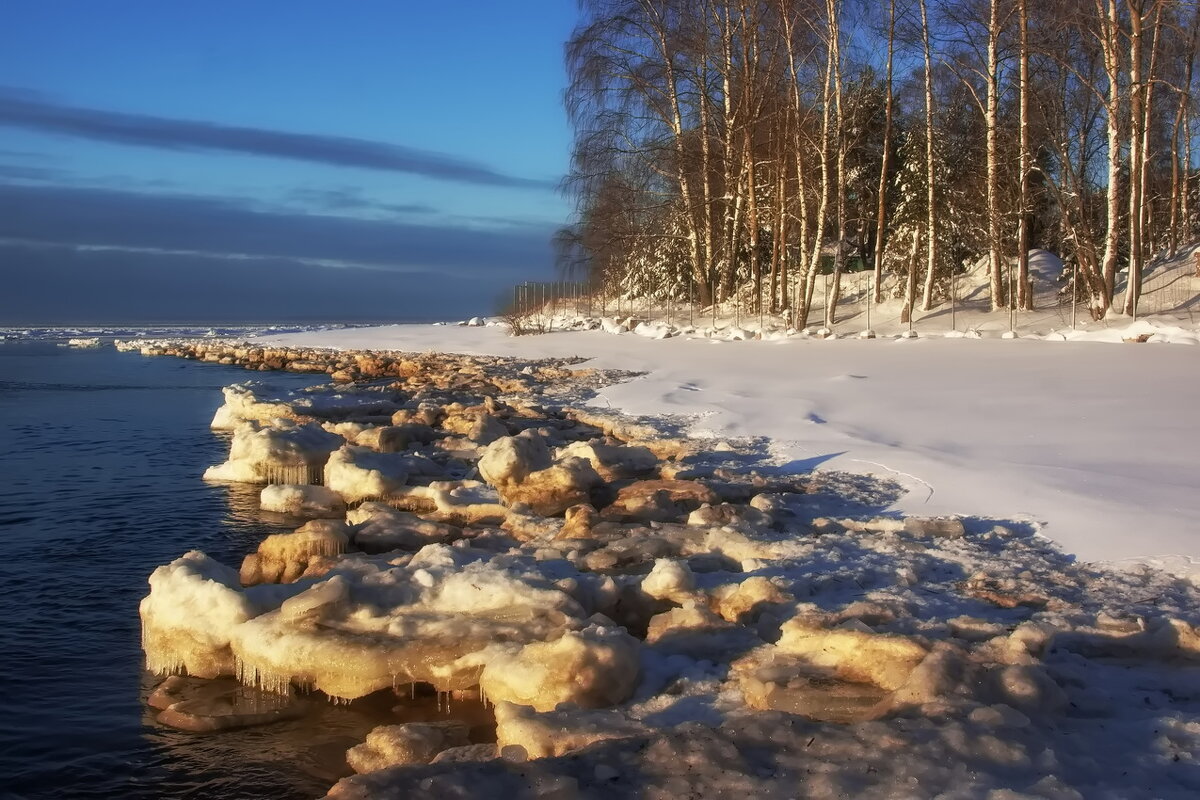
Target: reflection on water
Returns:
[100, 461]
[310, 750]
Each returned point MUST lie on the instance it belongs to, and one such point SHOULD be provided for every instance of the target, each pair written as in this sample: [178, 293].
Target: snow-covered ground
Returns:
[1095, 443]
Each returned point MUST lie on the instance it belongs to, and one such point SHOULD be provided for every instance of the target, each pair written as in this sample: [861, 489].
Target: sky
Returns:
[265, 161]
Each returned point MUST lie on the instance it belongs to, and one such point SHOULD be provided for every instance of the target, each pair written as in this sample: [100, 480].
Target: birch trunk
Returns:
[1136, 120]
[835, 35]
[881, 213]
[931, 211]
[1024, 287]
[992, 123]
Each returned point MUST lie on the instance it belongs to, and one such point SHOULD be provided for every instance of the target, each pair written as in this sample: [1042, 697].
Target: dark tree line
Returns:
[746, 145]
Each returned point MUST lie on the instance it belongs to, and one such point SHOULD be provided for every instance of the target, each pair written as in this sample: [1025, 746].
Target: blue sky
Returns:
[398, 159]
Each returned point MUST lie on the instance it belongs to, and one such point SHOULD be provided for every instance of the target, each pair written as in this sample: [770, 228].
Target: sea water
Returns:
[101, 455]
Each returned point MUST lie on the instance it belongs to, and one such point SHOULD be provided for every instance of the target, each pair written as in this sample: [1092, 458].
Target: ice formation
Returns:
[380, 528]
[302, 500]
[372, 624]
[593, 667]
[411, 743]
[285, 557]
[521, 470]
[281, 452]
[193, 606]
[257, 402]
[359, 473]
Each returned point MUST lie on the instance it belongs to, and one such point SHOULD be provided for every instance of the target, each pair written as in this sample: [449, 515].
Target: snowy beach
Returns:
[1096, 444]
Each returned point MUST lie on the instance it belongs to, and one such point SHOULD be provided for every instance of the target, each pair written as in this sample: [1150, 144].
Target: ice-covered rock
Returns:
[394, 438]
[578, 521]
[771, 680]
[510, 459]
[475, 424]
[659, 501]
[527, 527]
[302, 500]
[613, 462]
[1028, 687]
[729, 514]
[885, 660]
[257, 402]
[282, 452]
[697, 632]
[592, 668]
[194, 605]
[670, 579]
[553, 733]
[520, 469]
[205, 706]
[284, 557]
[249, 402]
[466, 754]
[410, 743]
[743, 602]
[553, 490]
[379, 528]
[359, 473]
[435, 617]
[935, 527]
[454, 502]
[633, 432]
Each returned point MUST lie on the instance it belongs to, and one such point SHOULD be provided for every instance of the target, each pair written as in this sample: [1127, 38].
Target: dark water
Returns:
[100, 461]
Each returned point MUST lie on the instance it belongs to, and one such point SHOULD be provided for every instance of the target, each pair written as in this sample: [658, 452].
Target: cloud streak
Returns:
[28, 111]
[52, 284]
[134, 220]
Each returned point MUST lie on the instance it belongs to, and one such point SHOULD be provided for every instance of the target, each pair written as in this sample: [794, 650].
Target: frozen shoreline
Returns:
[660, 646]
[1095, 444]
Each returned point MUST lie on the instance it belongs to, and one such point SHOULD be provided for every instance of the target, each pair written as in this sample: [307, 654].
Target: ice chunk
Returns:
[671, 580]
[302, 500]
[359, 473]
[411, 743]
[520, 469]
[591, 668]
[885, 660]
[193, 605]
[553, 733]
[429, 620]
[509, 460]
[380, 528]
[282, 452]
[613, 462]
[284, 557]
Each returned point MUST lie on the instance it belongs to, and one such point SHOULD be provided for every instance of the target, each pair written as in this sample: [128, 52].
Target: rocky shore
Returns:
[607, 608]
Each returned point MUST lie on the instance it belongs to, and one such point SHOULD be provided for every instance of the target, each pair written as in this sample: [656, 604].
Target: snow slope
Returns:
[1095, 443]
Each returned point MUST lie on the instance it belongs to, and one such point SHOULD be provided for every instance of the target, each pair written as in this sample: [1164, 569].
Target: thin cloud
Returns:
[153, 221]
[349, 199]
[23, 172]
[53, 284]
[22, 109]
